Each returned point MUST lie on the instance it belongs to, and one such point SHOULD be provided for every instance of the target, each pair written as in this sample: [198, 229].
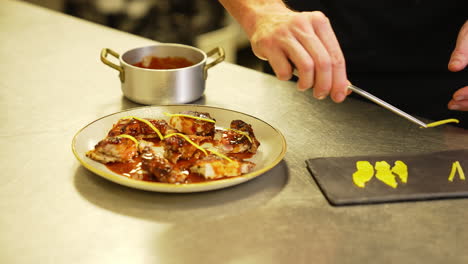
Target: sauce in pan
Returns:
[163, 63]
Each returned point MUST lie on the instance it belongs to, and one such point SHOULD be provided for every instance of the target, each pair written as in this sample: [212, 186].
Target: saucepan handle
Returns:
[219, 52]
[104, 59]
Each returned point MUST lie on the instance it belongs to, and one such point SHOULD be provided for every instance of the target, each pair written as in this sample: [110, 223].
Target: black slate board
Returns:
[427, 178]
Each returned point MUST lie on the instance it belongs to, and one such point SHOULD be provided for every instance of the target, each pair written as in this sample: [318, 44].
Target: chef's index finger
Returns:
[323, 29]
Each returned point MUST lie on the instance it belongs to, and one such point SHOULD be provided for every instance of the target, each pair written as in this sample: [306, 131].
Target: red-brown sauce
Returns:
[133, 170]
[241, 156]
[165, 63]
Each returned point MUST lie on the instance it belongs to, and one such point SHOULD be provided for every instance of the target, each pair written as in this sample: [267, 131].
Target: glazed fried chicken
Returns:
[187, 148]
[114, 149]
[161, 169]
[214, 167]
[177, 147]
[246, 128]
[239, 139]
[193, 126]
[139, 129]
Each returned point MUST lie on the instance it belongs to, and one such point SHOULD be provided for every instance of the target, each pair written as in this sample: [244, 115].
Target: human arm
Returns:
[458, 62]
[290, 39]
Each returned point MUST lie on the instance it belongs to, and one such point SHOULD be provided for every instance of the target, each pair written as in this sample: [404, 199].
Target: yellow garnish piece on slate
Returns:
[460, 171]
[364, 173]
[191, 116]
[441, 122]
[384, 174]
[456, 167]
[243, 133]
[129, 137]
[452, 172]
[188, 140]
[401, 170]
[148, 123]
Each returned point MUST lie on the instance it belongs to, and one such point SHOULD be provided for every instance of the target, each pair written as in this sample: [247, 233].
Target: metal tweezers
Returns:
[382, 103]
[386, 105]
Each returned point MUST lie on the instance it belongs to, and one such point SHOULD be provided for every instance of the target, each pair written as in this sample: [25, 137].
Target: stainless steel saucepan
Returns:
[163, 86]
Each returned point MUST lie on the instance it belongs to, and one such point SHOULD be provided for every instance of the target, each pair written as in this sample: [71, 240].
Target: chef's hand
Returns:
[306, 41]
[459, 61]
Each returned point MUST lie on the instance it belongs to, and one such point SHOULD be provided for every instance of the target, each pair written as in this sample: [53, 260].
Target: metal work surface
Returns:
[53, 210]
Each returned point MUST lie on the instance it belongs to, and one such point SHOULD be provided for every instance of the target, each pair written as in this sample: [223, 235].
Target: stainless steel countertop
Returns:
[53, 210]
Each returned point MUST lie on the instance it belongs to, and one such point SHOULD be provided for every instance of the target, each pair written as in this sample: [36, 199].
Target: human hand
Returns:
[459, 61]
[305, 41]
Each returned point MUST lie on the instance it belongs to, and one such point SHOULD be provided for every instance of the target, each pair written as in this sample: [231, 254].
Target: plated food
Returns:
[187, 148]
[238, 148]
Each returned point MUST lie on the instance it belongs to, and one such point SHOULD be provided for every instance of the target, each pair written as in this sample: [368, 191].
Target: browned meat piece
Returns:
[239, 139]
[214, 167]
[230, 141]
[177, 147]
[161, 169]
[246, 128]
[158, 149]
[192, 126]
[114, 149]
[139, 129]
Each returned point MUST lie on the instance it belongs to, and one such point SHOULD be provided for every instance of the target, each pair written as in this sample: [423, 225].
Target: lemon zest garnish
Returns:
[220, 155]
[188, 140]
[131, 138]
[148, 123]
[191, 116]
[441, 122]
[456, 167]
[243, 133]
[460, 171]
[364, 173]
[198, 146]
[384, 174]
[401, 170]
[181, 135]
[452, 172]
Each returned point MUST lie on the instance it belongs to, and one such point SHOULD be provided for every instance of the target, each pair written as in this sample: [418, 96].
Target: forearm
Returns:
[249, 12]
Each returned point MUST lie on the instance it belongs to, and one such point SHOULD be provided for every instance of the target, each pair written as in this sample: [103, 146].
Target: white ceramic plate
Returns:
[270, 152]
